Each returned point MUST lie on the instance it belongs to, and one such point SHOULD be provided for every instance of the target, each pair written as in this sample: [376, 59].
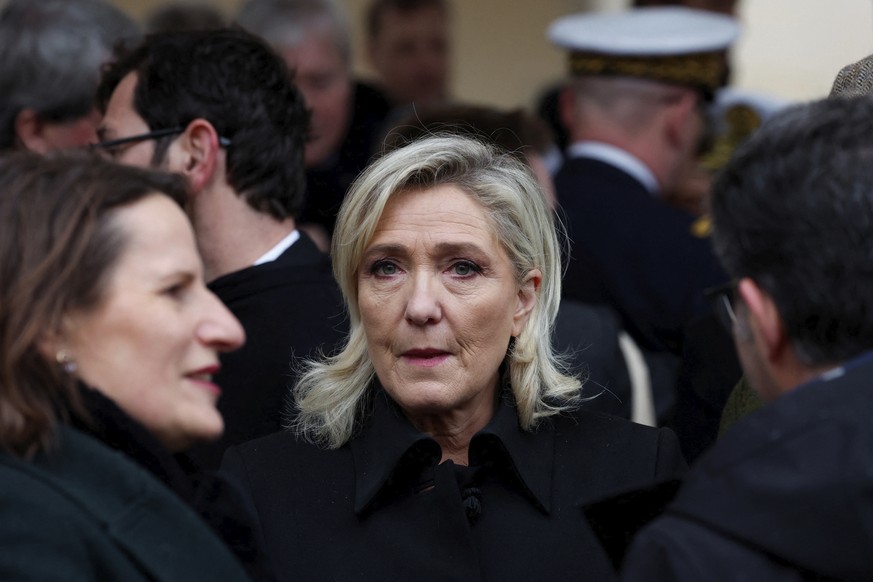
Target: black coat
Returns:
[83, 512]
[291, 309]
[786, 494]
[383, 507]
[214, 497]
[631, 251]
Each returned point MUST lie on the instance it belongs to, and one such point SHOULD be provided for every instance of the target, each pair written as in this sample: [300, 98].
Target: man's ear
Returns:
[199, 154]
[763, 318]
[527, 298]
[567, 107]
[29, 130]
[683, 126]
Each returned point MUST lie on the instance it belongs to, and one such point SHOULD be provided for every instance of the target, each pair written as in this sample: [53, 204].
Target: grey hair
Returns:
[283, 23]
[331, 396]
[51, 52]
[629, 102]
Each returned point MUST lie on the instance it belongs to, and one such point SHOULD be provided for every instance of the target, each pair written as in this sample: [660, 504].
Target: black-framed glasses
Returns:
[156, 134]
[723, 298]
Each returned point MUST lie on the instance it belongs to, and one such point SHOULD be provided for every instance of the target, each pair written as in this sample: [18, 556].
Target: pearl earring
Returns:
[66, 361]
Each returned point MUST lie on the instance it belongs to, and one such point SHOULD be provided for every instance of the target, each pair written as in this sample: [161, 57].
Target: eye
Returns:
[176, 290]
[465, 268]
[384, 269]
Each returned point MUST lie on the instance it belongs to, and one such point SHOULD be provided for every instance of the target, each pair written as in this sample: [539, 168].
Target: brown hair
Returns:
[58, 244]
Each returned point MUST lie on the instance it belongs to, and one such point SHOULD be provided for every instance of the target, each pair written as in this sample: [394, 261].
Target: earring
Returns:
[66, 361]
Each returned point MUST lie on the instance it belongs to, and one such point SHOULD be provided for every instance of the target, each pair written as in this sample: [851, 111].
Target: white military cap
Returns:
[671, 44]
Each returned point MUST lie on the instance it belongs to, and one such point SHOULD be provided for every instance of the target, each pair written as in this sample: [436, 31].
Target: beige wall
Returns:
[501, 55]
[791, 48]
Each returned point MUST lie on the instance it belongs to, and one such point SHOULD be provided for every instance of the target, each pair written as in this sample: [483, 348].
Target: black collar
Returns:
[390, 454]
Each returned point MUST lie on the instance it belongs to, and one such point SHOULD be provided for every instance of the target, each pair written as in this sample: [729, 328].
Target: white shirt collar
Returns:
[283, 245]
[619, 158]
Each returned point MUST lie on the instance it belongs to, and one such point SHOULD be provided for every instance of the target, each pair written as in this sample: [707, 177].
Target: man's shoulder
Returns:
[298, 272]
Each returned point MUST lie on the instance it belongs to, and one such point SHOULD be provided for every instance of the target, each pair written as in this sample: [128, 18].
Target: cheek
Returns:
[335, 108]
[378, 316]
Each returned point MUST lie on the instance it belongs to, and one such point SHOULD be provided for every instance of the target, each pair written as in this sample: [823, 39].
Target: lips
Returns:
[203, 377]
[425, 357]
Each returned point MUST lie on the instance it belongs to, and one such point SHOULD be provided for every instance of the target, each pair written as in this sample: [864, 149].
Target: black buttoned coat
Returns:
[383, 507]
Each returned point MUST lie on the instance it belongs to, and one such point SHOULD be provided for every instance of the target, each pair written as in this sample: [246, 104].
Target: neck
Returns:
[454, 430]
[231, 235]
[656, 159]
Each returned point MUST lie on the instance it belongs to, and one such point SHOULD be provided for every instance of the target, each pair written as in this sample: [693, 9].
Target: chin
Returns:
[427, 399]
[205, 433]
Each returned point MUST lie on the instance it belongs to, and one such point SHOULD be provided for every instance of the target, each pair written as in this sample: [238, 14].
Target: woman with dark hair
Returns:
[108, 336]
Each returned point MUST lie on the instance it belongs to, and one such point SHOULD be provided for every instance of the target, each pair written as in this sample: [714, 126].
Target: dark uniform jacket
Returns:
[786, 494]
[84, 512]
[633, 252]
[383, 507]
[290, 309]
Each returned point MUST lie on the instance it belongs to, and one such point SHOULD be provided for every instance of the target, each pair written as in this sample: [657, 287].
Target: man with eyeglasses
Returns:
[220, 108]
[787, 493]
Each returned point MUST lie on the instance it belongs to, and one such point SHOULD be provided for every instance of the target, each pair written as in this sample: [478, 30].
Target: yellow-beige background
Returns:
[789, 48]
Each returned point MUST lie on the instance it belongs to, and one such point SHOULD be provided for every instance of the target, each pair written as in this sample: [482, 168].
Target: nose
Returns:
[219, 328]
[423, 305]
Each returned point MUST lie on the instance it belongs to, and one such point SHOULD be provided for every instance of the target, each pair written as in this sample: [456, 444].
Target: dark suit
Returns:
[383, 507]
[290, 309]
[631, 251]
[84, 512]
[786, 494]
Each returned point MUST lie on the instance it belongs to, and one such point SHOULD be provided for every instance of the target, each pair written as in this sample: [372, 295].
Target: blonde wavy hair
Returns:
[331, 397]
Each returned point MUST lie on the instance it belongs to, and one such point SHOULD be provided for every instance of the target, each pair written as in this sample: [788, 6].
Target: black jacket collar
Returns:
[390, 455]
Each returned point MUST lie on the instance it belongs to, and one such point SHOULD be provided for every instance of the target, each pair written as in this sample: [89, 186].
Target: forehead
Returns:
[157, 235]
[316, 50]
[121, 119]
[395, 23]
[440, 214]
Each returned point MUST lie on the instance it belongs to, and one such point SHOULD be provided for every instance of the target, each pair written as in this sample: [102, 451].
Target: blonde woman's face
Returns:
[152, 344]
[439, 302]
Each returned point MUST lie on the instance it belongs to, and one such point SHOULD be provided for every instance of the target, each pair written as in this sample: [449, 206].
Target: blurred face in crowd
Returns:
[152, 343]
[42, 136]
[439, 302]
[411, 55]
[324, 79]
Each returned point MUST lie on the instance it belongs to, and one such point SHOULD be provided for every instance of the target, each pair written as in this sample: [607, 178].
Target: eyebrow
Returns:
[444, 248]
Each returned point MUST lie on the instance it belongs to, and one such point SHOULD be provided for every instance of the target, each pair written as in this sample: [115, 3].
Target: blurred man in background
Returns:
[51, 52]
[408, 44]
[346, 116]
